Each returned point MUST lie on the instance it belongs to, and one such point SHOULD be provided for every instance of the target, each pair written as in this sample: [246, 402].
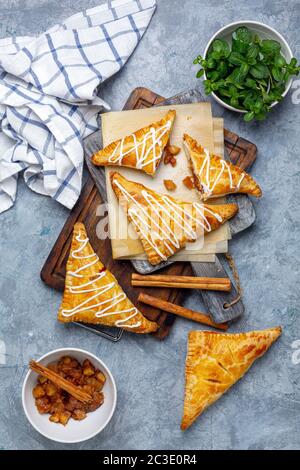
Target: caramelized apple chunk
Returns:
[88, 368]
[38, 391]
[170, 185]
[78, 414]
[50, 389]
[43, 405]
[188, 181]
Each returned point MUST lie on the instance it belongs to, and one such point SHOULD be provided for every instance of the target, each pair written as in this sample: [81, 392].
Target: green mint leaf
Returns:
[207, 87]
[275, 93]
[214, 75]
[258, 105]
[292, 67]
[243, 34]
[249, 116]
[279, 61]
[239, 46]
[268, 98]
[219, 84]
[250, 100]
[232, 90]
[243, 94]
[238, 75]
[210, 63]
[216, 55]
[215, 86]
[252, 54]
[223, 69]
[270, 47]
[221, 47]
[277, 73]
[236, 58]
[223, 91]
[250, 83]
[234, 102]
[198, 60]
[259, 71]
[200, 73]
[244, 69]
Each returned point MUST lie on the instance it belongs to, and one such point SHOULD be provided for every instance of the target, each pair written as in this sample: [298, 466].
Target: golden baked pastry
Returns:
[164, 224]
[214, 176]
[215, 361]
[142, 149]
[92, 294]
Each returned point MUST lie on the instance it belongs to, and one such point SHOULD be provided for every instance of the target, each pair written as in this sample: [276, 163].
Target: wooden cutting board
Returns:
[88, 210]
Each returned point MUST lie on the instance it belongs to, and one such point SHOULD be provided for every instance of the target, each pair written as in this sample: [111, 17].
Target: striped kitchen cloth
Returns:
[48, 95]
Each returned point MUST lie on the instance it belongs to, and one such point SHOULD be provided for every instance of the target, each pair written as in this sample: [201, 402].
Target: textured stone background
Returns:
[263, 410]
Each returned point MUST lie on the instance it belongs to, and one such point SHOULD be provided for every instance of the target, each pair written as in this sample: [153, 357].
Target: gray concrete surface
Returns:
[263, 410]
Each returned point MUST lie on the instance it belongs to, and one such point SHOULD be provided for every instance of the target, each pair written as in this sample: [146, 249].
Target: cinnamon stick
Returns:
[62, 383]
[181, 311]
[181, 282]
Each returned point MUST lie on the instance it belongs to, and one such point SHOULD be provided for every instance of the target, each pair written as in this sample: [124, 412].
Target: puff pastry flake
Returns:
[215, 361]
[142, 149]
[164, 224]
[214, 176]
[92, 294]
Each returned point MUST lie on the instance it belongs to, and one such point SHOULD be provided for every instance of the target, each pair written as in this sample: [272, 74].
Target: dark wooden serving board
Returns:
[86, 210]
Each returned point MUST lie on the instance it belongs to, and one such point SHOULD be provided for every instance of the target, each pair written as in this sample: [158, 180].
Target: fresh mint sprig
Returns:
[250, 75]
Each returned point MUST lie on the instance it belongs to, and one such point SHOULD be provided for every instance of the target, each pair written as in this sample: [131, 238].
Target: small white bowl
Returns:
[264, 32]
[74, 431]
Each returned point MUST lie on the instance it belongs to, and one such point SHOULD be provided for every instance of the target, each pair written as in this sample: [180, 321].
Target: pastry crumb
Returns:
[173, 149]
[189, 182]
[167, 158]
[173, 161]
[170, 185]
[170, 153]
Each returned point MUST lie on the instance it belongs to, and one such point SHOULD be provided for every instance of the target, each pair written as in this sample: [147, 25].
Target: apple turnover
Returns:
[164, 224]
[214, 176]
[93, 295]
[216, 361]
[142, 149]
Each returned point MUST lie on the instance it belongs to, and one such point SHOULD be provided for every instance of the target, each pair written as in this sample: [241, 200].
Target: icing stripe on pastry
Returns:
[154, 135]
[208, 186]
[140, 216]
[105, 305]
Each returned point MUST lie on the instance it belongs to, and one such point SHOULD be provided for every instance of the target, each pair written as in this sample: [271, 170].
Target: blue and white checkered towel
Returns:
[48, 95]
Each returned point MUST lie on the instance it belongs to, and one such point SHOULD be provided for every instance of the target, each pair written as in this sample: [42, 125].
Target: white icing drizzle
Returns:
[180, 217]
[139, 148]
[204, 175]
[103, 307]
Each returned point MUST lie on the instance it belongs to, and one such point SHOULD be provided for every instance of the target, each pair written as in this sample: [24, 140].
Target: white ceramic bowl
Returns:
[74, 431]
[264, 32]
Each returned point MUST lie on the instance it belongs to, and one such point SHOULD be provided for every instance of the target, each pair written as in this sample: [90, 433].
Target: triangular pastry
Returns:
[216, 361]
[142, 149]
[214, 176]
[92, 294]
[164, 224]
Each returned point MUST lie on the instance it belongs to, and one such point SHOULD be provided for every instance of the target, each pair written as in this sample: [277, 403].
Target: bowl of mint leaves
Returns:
[248, 68]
